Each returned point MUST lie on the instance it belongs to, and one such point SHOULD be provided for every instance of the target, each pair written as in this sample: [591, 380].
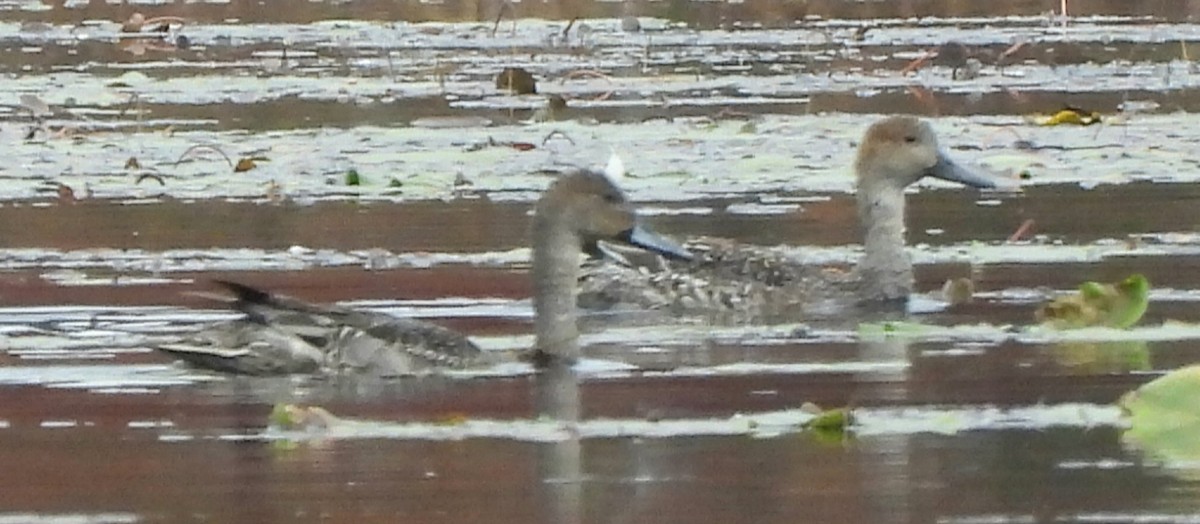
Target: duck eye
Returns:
[910, 139]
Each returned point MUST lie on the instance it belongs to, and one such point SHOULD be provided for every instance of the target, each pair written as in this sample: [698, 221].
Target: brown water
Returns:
[998, 426]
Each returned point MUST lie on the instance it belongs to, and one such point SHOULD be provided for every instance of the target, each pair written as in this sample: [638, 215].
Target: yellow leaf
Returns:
[1072, 116]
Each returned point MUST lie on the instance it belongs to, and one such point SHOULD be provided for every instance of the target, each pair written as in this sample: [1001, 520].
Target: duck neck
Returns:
[556, 254]
[885, 268]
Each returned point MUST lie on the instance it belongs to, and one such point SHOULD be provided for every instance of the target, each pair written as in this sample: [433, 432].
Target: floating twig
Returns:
[1017, 46]
[208, 147]
[919, 62]
[557, 132]
[1026, 226]
[150, 176]
[567, 30]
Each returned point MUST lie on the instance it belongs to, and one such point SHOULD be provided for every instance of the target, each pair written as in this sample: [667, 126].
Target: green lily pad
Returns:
[828, 425]
[1118, 305]
[831, 420]
[1164, 420]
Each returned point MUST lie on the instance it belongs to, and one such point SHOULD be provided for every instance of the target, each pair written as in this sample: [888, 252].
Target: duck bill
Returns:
[949, 170]
[644, 238]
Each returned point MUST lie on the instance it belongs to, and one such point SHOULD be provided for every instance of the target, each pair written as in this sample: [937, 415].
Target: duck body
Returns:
[243, 347]
[282, 335]
[726, 276]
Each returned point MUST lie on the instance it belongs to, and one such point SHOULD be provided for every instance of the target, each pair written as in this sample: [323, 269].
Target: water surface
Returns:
[734, 120]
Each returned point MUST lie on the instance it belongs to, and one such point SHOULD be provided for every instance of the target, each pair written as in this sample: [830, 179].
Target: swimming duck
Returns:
[725, 276]
[283, 335]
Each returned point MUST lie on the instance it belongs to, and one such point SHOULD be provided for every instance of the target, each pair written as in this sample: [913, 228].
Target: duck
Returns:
[726, 276]
[281, 335]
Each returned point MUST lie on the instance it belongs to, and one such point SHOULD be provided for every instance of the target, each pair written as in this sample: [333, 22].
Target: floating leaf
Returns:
[282, 415]
[244, 164]
[827, 425]
[831, 420]
[1163, 419]
[293, 417]
[133, 163]
[1071, 116]
[1118, 305]
[352, 178]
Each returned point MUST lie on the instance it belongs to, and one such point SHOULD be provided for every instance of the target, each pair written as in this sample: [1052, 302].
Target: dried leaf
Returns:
[66, 195]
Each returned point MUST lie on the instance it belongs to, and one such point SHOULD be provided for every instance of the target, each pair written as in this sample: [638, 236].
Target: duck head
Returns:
[590, 207]
[576, 213]
[898, 151]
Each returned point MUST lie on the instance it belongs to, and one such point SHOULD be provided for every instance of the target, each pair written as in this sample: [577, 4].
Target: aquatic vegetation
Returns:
[1069, 116]
[1163, 419]
[830, 425]
[301, 418]
[1118, 305]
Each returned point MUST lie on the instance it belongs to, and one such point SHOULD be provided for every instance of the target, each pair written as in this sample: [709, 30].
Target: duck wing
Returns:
[245, 347]
[724, 276]
[359, 341]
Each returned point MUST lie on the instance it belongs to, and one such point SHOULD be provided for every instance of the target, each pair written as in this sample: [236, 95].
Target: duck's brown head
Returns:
[900, 150]
[591, 207]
